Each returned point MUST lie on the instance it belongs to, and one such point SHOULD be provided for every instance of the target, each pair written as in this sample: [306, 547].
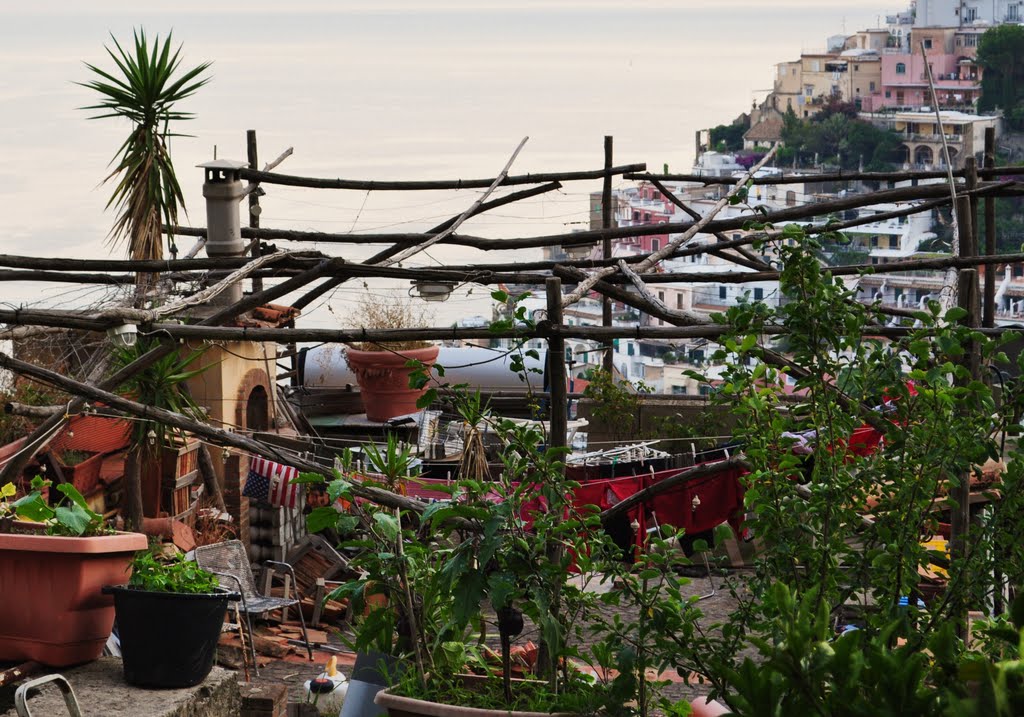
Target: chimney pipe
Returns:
[223, 191]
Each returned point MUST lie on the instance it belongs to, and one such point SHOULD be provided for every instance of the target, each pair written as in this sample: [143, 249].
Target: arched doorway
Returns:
[257, 409]
[924, 155]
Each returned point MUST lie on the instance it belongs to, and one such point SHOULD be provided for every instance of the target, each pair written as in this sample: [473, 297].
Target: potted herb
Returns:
[53, 565]
[383, 369]
[510, 558]
[169, 619]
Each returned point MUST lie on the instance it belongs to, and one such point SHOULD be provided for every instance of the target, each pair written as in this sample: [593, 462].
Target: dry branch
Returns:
[654, 257]
[405, 254]
[372, 185]
[211, 434]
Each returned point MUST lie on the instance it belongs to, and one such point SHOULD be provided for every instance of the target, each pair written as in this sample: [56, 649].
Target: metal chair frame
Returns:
[237, 569]
[22, 695]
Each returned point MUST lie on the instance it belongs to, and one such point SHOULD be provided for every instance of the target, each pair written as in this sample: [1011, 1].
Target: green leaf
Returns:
[387, 524]
[313, 478]
[321, 518]
[73, 518]
[1017, 612]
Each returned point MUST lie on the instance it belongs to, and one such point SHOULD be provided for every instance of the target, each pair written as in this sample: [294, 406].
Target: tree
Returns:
[144, 90]
[728, 137]
[1001, 55]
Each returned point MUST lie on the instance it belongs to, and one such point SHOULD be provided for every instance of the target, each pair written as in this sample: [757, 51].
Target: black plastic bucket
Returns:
[168, 639]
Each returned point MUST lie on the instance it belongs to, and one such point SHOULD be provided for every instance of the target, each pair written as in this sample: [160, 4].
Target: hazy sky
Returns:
[393, 89]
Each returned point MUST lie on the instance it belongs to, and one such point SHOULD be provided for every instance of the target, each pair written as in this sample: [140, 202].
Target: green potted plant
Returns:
[169, 619]
[54, 562]
[383, 369]
[512, 556]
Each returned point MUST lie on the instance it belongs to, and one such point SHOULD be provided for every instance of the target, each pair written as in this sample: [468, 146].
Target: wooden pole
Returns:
[968, 299]
[418, 186]
[989, 316]
[559, 418]
[40, 435]
[556, 366]
[254, 201]
[740, 223]
[606, 249]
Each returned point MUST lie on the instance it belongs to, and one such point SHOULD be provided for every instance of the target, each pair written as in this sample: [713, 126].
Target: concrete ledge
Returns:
[102, 692]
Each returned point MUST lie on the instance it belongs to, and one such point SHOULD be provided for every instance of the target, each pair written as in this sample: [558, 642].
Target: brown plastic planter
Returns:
[384, 380]
[398, 706]
[53, 610]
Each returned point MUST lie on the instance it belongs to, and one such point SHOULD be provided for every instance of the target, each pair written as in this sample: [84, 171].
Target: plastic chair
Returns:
[228, 560]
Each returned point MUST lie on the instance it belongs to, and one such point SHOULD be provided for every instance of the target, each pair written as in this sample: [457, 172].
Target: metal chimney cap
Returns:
[227, 164]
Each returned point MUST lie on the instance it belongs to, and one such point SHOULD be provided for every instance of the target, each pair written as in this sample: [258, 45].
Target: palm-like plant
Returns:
[161, 385]
[145, 92]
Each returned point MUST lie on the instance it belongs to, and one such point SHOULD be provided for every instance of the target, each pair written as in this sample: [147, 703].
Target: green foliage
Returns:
[156, 572]
[13, 427]
[821, 559]
[1001, 55]
[728, 137]
[833, 135]
[70, 515]
[616, 405]
[429, 580]
[804, 669]
[145, 89]
[159, 385]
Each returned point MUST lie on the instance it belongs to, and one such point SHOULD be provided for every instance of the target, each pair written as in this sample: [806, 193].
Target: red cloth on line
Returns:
[719, 500]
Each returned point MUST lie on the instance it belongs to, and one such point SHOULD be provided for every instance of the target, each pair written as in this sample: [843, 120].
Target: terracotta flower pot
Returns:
[384, 380]
[398, 706]
[53, 609]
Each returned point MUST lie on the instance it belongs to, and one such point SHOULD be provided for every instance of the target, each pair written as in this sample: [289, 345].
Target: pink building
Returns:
[646, 206]
[905, 82]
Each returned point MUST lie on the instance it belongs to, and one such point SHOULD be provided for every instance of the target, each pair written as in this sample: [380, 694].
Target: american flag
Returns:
[271, 483]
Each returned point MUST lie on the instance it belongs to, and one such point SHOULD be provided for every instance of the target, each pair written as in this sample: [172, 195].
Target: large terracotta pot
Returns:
[398, 706]
[384, 380]
[52, 609]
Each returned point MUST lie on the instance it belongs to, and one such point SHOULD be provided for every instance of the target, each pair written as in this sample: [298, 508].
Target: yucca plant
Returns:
[145, 89]
[161, 385]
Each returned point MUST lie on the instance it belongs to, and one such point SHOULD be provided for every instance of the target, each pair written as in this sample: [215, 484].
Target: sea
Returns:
[383, 89]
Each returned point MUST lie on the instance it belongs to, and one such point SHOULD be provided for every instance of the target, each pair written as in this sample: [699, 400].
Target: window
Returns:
[705, 390]
[679, 301]
[808, 90]
[661, 294]
[856, 68]
[901, 68]
[758, 294]
[679, 390]
[927, 43]
[697, 357]
[647, 217]
[630, 349]
[970, 14]
[655, 244]
[1012, 13]
[721, 292]
[815, 66]
[888, 94]
[871, 87]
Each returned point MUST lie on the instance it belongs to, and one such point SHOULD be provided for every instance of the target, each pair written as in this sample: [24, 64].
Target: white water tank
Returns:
[486, 370]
